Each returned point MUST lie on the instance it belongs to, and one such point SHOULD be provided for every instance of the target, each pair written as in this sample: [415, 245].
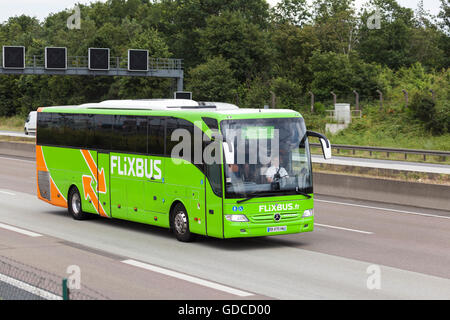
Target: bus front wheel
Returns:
[180, 224]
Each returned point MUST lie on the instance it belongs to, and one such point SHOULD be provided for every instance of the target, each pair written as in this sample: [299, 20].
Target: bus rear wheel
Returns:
[180, 224]
[74, 205]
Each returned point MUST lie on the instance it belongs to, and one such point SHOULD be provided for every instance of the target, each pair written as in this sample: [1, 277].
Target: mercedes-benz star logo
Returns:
[277, 217]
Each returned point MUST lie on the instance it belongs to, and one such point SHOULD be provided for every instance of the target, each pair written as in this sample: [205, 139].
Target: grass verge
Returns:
[15, 123]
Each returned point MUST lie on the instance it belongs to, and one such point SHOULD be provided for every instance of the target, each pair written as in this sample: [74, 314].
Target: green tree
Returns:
[342, 74]
[391, 44]
[296, 12]
[444, 43]
[336, 25]
[288, 93]
[239, 41]
[213, 81]
[180, 20]
[293, 48]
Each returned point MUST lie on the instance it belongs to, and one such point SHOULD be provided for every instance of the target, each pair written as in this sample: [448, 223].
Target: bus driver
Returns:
[275, 171]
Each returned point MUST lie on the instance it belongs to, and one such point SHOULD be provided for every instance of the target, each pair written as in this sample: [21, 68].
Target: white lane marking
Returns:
[18, 230]
[29, 288]
[384, 209]
[188, 278]
[8, 193]
[14, 159]
[340, 228]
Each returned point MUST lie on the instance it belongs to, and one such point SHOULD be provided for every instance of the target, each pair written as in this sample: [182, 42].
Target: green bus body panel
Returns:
[214, 213]
[144, 188]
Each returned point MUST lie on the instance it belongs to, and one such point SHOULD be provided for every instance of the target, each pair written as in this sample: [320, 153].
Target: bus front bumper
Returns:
[252, 229]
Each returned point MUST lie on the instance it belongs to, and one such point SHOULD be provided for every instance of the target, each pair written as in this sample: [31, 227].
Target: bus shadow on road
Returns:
[234, 244]
[256, 243]
[116, 223]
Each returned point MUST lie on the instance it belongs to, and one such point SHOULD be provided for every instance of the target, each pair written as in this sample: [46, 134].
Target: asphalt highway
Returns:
[408, 248]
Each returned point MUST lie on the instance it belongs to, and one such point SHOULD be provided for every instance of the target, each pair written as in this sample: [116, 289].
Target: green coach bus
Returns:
[197, 168]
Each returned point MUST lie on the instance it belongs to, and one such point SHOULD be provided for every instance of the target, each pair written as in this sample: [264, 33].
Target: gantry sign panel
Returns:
[55, 58]
[98, 62]
[137, 60]
[183, 95]
[13, 57]
[99, 59]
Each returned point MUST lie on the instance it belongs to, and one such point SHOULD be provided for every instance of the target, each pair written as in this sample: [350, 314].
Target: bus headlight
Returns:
[308, 213]
[236, 217]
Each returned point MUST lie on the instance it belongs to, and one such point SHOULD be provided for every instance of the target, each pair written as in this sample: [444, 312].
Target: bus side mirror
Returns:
[324, 142]
[326, 148]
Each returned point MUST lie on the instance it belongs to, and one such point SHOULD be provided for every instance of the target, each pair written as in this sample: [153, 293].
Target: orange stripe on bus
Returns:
[40, 162]
[57, 198]
[40, 166]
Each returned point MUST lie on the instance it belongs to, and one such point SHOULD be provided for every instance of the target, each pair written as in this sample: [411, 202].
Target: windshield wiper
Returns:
[256, 194]
[303, 194]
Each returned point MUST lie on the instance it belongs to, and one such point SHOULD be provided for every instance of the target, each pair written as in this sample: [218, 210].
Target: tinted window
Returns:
[172, 125]
[141, 138]
[43, 134]
[103, 131]
[56, 129]
[79, 131]
[130, 134]
[156, 136]
[211, 123]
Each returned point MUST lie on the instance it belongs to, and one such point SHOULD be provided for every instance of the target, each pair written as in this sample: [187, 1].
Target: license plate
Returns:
[276, 229]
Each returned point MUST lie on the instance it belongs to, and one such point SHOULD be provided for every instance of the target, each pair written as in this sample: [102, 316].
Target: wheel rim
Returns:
[76, 203]
[180, 222]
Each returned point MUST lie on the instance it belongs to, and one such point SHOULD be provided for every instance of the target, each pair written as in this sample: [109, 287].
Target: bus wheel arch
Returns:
[74, 204]
[179, 222]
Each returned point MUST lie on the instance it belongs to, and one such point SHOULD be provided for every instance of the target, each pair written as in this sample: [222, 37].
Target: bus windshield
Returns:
[268, 157]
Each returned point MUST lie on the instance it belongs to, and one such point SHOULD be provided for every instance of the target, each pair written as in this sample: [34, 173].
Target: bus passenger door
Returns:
[103, 185]
[213, 197]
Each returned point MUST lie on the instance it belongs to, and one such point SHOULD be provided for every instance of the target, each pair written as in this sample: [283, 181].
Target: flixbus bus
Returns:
[122, 159]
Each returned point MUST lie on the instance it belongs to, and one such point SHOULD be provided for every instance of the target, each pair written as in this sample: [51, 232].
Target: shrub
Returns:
[435, 116]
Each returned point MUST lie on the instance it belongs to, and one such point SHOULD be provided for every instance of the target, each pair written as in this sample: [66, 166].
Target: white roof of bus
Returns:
[159, 104]
[177, 104]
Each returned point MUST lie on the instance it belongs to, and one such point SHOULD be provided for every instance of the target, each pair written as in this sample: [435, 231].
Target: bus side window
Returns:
[56, 129]
[172, 125]
[75, 131]
[84, 131]
[43, 135]
[130, 134]
[103, 131]
[156, 136]
[124, 129]
[141, 135]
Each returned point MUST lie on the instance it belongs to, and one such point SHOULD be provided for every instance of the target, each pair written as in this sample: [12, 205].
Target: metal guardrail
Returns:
[406, 152]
